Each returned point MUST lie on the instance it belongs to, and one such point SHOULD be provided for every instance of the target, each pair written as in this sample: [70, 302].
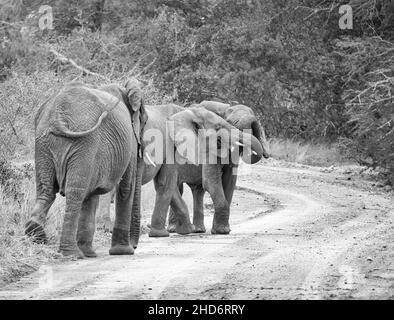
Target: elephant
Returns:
[217, 178]
[157, 115]
[220, 179]
[87, 141]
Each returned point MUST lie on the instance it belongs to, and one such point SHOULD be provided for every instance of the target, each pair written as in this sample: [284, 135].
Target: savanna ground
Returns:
[298, 232]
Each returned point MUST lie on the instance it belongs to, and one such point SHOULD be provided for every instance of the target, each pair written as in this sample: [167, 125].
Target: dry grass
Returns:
[314, 154]
[18, 254]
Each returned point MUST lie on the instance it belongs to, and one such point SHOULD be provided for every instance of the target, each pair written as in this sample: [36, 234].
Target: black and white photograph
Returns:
[196, 155]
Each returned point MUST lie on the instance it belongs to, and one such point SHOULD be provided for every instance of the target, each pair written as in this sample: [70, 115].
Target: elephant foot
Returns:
[121, 243]
[36, 232]
[184, 228]
[121, 249]
[199, 229]
[87, 251]
[156, 233]
[71, 251]
[221, 229]
[171, 228]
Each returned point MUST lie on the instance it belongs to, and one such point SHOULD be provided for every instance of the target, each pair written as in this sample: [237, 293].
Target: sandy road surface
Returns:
[297, 233]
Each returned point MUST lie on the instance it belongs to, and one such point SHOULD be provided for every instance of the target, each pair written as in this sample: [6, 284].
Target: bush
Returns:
[368, 73]
[12, 179]
[370, 103]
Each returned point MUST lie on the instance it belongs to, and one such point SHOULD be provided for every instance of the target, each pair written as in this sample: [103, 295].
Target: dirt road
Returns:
[297, 233]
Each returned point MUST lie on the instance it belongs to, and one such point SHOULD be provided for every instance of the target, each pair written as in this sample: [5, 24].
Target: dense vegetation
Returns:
[289, 60]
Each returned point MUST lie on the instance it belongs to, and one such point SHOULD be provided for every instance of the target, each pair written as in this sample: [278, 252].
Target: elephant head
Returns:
[243, 118]
[196, 125]
[135, 104]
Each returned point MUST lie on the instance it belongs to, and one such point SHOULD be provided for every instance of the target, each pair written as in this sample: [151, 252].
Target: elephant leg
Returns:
[78, 181]
[68, 239]
[103, 212]
[212, 177]
[87, 226]
[124, 202]
[229, 180]
[183, 224]
[172, 219]
[46, 189]
[34, 228]
[198, 208]
[165, 185]
[221, 223]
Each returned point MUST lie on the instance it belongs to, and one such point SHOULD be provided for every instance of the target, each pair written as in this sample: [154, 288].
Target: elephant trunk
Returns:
[135, 225]
[256, 148]
[259, 133]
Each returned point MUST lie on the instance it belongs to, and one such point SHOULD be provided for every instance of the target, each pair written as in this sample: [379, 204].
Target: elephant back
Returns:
[160, 113]
[79, 107]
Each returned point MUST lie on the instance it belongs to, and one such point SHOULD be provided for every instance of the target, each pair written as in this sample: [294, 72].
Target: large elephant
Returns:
[215, 177]
[157, 117]
[87, 141]
[220, 179]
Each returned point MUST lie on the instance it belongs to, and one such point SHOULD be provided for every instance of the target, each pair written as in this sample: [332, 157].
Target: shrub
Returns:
[13, 177]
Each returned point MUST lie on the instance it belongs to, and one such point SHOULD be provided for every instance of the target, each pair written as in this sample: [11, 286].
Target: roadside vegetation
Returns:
[309, 153]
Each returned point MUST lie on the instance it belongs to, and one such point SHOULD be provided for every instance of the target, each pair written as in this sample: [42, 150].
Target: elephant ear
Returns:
[134, 94]
[187, 138]
[217, 107]
[183, 130]
[135, 103]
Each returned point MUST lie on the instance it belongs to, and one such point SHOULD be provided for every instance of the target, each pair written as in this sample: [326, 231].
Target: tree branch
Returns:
[64, 59]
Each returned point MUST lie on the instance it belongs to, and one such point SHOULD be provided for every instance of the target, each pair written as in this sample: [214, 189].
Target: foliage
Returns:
[305, 77]
[12, 178]
[368, 76]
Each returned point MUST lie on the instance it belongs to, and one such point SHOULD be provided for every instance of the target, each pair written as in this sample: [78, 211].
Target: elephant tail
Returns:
[62, 130]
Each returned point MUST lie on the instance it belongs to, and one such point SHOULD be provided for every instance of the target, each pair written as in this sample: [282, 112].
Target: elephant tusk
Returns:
[150, 159]
[239, 144]
[254, 152]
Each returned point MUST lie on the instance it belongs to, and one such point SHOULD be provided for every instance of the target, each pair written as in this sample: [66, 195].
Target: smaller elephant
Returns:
[193, 127]
[220, 179]
[87, 142]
